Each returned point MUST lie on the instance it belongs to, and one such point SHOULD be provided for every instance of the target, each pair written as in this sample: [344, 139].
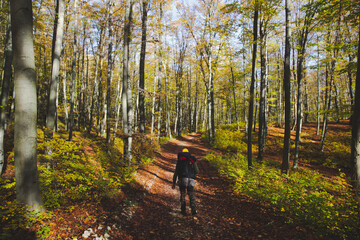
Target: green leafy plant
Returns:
[326, 205]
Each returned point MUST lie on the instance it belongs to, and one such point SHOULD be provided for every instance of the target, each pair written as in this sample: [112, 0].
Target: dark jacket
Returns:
[186, 166]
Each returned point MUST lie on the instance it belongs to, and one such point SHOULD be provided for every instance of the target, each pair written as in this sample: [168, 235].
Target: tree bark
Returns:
[127, 105]
[280, 94]
[73, 76]
[55, 68]
[318, 92]
[287, 91]
[109, 74]
[252, 86]
[355, 138]
[142, 66]
[234, 97]
[26, 173]
[263, 93]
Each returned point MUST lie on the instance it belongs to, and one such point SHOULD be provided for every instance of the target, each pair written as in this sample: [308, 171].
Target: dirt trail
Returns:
[221, 213]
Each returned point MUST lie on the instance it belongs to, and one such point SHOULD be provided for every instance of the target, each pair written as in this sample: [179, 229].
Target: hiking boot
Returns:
[193, 211]
[183, 210]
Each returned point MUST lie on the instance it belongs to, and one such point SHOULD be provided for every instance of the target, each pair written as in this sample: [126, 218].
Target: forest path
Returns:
[222, 214]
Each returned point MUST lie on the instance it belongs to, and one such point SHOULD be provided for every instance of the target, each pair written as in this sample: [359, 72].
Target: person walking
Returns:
[185, 172]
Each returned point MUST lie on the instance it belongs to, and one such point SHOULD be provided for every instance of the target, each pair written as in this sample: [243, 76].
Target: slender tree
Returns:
[263, 89]
[252, 85]
[127, 105]
[109, 72]
[287, 91]
[26, 174]
[58, 33]
[73, 76]
[142, 66]
[303, 39]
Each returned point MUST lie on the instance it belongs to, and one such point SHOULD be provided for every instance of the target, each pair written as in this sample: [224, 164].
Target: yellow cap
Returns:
[185, 150]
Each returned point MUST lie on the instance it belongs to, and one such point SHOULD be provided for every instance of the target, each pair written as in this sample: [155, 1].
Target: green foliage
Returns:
[67, 175]
[164, 140]
[87, 169]
[84, 170]
[229, 139]
[327, 205]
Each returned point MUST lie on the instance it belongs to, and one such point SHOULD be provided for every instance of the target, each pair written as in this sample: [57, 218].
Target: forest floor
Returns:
[148, 208]
[153, 208]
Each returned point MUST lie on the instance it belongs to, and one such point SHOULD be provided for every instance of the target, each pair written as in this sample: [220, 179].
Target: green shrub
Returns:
[325, 205]
[229, 139]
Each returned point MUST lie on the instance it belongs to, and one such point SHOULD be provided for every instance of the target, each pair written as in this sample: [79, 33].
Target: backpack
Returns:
[187, 166]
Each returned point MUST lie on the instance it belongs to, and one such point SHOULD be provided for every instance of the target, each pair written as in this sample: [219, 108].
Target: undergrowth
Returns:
[84, 170]
[326, 205]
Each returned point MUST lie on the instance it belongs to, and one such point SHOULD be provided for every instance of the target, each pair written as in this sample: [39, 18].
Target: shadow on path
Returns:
[221, 213]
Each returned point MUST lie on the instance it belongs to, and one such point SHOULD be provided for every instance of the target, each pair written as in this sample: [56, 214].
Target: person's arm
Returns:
[196, 168]
[175, 176]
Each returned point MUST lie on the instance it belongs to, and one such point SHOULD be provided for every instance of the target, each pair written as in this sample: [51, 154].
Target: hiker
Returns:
[186, 170]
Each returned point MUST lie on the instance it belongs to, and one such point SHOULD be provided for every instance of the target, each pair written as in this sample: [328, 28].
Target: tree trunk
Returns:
[142, 66]
[161, 74]
[280, 97]
[55, 69]
[263, 94]
[318, 93]
[109, 74]
[153, 104]
[167, 108]
[5, 89]
[355, 138]
[234, 96]
[127, 105]
[73, 76]
[351, 94]
[65, 98]
[26, 173]
[252, 86]
[287, 91]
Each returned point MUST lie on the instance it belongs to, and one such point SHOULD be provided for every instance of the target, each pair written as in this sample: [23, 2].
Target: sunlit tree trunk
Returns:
[234, 96]
[263, 93]
[109, 74]
[142, 66]
[55, 70]
[287, 91]
[73, 76]
[280, 94]
[252, 87]
[26, 173]
[331, 83]
[127, 105]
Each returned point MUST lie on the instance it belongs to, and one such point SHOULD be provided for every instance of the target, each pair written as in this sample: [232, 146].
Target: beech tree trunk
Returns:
[26, 173]
[234, 97]
[73, 77]
[127, 104]
[142, 66]
[280, 95]
[109, 74]
[263, 94]
[252, 86]
[287, 91]
[355, 138]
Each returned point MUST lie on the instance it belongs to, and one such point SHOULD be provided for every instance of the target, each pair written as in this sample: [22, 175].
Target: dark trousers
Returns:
[187, 185]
